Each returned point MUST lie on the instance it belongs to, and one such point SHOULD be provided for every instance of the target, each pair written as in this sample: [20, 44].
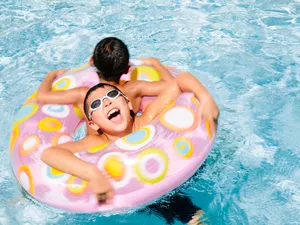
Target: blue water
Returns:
[247, 53]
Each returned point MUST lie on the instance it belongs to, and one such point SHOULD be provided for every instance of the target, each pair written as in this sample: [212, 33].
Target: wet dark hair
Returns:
[111, 59]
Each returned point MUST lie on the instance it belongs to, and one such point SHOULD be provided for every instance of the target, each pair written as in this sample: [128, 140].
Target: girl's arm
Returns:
[158, 104]
[208, 108]
[184, 82]
[46, 95]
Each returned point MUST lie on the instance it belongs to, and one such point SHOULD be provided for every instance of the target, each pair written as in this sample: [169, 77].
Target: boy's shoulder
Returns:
[134, 85]
[131, 83]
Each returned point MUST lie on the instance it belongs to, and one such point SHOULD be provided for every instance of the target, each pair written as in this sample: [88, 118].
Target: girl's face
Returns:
[110, 111]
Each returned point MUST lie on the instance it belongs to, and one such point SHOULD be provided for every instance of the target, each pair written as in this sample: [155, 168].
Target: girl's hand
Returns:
[209, 111]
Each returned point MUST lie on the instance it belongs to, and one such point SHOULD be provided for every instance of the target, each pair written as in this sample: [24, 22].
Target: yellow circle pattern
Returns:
[195, 101]
[169, 106]
[49, 124]
[34, 109]
[58, 83]
[145, 73]
[55, 172]
[184, 147]
[56, 137]
[114, 167]
[98, 148]
[78, 69]
[76, 189]
[151, 151]
[77, 111]
[25, 169]
[31, 97]
[13, 138]
[207, 126]
[25, 152]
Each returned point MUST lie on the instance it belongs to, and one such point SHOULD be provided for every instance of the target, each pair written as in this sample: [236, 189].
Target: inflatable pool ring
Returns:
[142, 166]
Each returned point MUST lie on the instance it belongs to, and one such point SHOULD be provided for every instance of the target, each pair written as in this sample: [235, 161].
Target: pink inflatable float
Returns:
[142, 166]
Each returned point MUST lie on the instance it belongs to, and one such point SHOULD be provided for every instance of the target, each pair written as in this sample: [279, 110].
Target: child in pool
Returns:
[101, 102]
[111, 59]
[111, 55]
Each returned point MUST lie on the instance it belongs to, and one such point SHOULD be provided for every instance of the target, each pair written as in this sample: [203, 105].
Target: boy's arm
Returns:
[45, 95]
[142, 88]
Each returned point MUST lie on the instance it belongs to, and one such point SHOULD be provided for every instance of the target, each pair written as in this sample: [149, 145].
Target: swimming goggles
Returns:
[97, 103]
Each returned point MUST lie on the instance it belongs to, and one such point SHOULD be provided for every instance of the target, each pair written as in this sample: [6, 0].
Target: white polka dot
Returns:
[179, 117]
[57, 197]
[77, 155]
[158, 159]
[58, 111]
[24, 180]
[64, 139]
[29, 143]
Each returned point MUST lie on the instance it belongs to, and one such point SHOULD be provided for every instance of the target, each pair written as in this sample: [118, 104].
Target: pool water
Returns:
[246, 52]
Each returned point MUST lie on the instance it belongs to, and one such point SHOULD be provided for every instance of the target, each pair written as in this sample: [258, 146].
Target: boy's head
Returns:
[108, 109]
[111, 58]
